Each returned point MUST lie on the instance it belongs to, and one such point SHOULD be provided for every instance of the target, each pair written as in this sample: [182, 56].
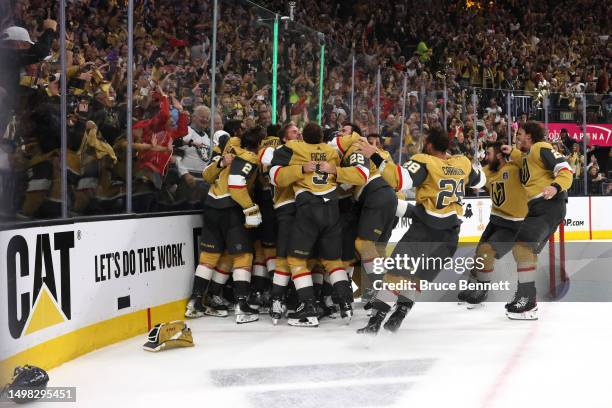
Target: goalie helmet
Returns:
[169, 335]
[27, 378]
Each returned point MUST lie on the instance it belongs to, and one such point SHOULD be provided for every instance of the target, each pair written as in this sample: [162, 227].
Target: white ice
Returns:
[444, 356]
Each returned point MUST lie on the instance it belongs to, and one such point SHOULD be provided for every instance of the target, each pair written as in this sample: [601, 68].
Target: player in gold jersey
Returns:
[284, 207]
[440, 182]
[546, 176]
[317, 221]
[265, 234]
[508, 209]
[373, 211]
[229, 212]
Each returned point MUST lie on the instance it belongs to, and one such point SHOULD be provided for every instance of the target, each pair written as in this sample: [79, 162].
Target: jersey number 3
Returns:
[452, 192]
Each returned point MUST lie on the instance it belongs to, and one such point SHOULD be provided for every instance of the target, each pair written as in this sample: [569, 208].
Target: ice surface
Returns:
[444, 356]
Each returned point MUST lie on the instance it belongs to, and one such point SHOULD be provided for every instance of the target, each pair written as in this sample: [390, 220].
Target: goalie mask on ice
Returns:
[169, 335]
[26, 378]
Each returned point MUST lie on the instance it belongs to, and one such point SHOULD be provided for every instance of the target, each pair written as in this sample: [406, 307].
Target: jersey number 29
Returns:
[452, 192]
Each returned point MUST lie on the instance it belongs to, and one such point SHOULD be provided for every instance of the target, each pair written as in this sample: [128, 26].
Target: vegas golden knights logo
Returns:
[498, 195]
[525, 172]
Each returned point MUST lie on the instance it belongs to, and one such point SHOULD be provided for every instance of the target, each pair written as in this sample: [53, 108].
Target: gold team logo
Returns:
[498, 195]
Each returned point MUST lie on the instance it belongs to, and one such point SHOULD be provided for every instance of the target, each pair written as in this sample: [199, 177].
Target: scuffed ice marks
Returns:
[361, 384]
[320, 372]
[368, 395]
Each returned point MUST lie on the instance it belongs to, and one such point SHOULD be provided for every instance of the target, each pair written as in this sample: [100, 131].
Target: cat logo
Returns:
[40, 307]
[498, 195]
[525, 172]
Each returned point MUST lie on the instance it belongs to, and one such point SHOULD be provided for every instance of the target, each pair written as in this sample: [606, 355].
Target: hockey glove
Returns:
[252, 217]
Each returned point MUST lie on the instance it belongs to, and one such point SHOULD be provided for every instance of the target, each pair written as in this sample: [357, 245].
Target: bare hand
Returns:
[505, 149]
[227, 159]
[90, 125]
[549, 192]
[85, 76]
[366, 148]
[327, 167]
[309, 167]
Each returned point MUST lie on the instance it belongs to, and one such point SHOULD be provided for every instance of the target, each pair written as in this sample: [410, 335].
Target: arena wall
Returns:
[73, 287]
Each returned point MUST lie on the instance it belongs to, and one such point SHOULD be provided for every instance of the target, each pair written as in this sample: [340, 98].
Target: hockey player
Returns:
[508, 209]
[284, 207]
[440, 182]
[317, 216]
[374, 203]
[265, 245]
[546, 176]
[229, 213]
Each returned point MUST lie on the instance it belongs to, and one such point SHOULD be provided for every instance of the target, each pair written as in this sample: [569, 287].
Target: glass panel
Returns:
[30, 118]
[97, 52]
[337, 86]
[391, 106]
[244, 64]
[365, 106]
[298, 65]
[172, 59]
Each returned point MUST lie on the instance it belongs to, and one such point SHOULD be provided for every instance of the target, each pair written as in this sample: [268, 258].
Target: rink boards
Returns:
[74, 287]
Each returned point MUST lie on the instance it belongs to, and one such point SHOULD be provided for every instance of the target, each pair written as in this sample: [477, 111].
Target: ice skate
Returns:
[215, 307]
[195, 308]
[346, 311]
[244, 313]
[397, 317]
[373, 326]
[522, 308]
[277, 310]
[304, 316]
[475, 298]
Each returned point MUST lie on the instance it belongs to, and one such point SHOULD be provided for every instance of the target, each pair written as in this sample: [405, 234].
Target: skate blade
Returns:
[275, 321]
[244, 318]
[367, 333]
[528, 315]
[216, 313]
[309, 322]
[471, 306]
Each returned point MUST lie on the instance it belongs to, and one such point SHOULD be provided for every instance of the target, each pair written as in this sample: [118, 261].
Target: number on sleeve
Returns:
[356, 159]
[412, 167]
[247, 168]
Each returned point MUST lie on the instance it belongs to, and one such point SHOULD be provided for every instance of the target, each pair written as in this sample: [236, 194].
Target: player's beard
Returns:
[494, 164]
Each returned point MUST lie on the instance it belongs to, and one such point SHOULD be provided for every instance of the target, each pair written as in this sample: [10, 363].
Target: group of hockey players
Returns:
[289, 217]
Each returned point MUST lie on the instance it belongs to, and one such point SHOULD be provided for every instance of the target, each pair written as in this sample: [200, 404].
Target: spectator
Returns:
[595, 181]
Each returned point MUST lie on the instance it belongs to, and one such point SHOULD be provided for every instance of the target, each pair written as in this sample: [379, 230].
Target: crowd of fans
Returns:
[554, 49]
